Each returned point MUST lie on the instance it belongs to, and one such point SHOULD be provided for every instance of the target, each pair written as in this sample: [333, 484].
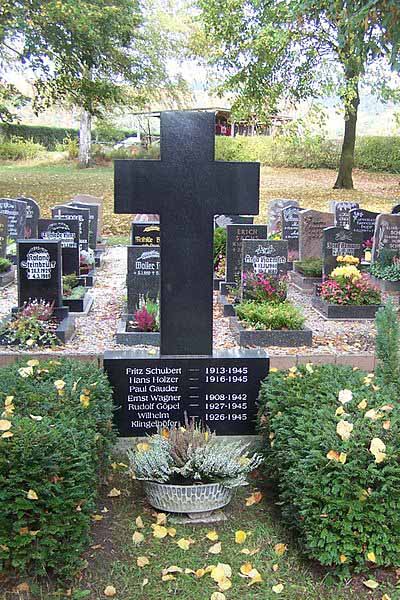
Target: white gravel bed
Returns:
[95, 332]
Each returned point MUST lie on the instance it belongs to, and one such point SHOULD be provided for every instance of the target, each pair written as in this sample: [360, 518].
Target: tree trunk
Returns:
[345, 175]
[85, 139]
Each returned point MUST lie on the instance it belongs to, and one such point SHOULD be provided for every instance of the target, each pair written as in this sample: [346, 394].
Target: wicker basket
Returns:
[187, 498]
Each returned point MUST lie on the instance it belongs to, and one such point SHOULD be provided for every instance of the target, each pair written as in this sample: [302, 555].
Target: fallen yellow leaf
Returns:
[171, 531]
[32, 495]
[145, 582]
[161, 518]
[221, 571]
[246, 568]
[278, 589]
[110, 591]
[386, 597]
[344, 429]
[184, 544]
[97, 517]
[240, 536]
[137, 537]
[386, 425]
[371, 556]
[142, 561]
[377, 448]
[159, 531]
[333, 455]
[23, 587]
[362, 405]
[7, 434]
[218, 596]
[114, 493]
[212, 536]
[371, 584]
[255, 577]
[342, 558]
[275, 568]
[280, 549]
[5, 425]
[224, 584]
[255, 498]
[199, 573]
[139, 522]
[172, 569]
[168, 577]
[216, 549]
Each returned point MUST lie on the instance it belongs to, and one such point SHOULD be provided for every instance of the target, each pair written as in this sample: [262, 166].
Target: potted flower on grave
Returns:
[33, 326]
[265, 317]
[189, 470]
[6, 272]
[385, 270]
[86, 261]
[347, 293]
[367, 247]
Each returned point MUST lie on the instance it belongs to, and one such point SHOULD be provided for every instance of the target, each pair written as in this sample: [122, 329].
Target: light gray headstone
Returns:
[387, 234]
[274, 213]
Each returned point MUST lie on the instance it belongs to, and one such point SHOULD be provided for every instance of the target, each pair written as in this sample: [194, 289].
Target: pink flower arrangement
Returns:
[263, 287]
[351, 291]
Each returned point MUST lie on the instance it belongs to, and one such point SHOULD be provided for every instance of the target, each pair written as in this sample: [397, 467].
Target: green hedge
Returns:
[60, 414]
[372, 153]
[342, 500]
[20, 149]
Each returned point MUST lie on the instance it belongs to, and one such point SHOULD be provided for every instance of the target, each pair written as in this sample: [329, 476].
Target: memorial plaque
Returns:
[93, 220]
[39, 271]
[3, 236]
[15, 211]
[32, 217]
[143, 280]
[265, 256]
[71, 213]
[145, 234]
[338, 241]
[224, 220]
[363, 221]
[386, 235]
[290, 216]
[220, 391]
[98, 200]
[67, 232]
[311, 226]
[235, 234]
[275, 208]
[341, 211]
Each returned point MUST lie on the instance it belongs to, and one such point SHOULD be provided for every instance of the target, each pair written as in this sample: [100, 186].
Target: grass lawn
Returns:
[112, 558]
[57, 182]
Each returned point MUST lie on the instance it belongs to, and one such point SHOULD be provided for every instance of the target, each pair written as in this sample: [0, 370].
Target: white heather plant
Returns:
[191, 455]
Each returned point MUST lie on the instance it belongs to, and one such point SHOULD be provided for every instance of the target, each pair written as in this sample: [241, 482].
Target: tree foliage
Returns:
[274, 50]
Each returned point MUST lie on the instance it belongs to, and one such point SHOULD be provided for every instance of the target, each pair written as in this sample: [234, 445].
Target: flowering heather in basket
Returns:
[346, 285]
[262, 287]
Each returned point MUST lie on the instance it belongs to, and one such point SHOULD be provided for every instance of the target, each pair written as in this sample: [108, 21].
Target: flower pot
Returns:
[200, 498]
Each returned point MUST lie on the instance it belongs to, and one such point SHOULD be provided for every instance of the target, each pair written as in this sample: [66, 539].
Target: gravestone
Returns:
[146, 218]
[143, 280]
[363, 221]
[145, 234]
[274, 213]
[15, 211]
[187, 188]
[396, 209]
[338, 241]
[39, 272]
[341, 210]
[265, 256]
[386, 235]
[32, 217]
[67, 232]
[3, 236]
[93, 221]
[224, 220]
[72, 213]
[97, 200]
[290, 216]
[311, 226]
[235, 234]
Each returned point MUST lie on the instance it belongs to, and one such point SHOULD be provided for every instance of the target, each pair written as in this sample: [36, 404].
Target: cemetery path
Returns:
[96, 331]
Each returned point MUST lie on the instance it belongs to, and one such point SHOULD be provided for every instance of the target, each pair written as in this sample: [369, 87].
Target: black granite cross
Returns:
[187, 187]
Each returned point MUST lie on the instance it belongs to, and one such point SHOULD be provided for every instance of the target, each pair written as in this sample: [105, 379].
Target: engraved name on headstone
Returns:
[145, 234]
[290, 217]
[363, 221]
[72, 213]
[143, 279]
[39, 271]
[265, 256]
[338, 241]
[93, 220]
[386, 235]
[341, 211]
[235, 234]
[311, 226]
[15, 211]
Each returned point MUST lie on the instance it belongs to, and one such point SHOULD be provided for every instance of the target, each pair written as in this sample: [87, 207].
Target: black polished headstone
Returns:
[275, 208]
[67, 232]
[235, 234]
[39, 272]
[363, 221]
[145, 234]
[265, 256]
[341, 210]
[220, 391]
[71, 213]
[386, 234]
[143, 279]
[290, 217]
[224, 220]
[338, 241]
[93, 220]
[32, 217]
[15, 211]
[3, 235]
[187, 188]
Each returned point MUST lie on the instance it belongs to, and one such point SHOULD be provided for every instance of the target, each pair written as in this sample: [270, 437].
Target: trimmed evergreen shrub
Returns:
[332, 442]
[55, 438]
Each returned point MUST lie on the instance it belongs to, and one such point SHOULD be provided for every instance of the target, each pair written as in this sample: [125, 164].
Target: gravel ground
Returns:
[95, 332]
